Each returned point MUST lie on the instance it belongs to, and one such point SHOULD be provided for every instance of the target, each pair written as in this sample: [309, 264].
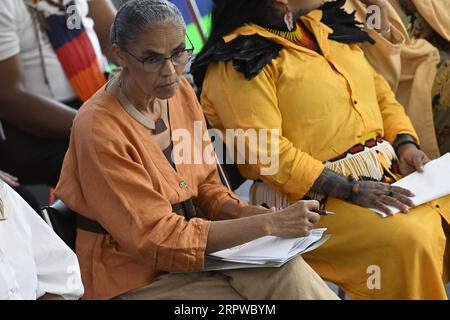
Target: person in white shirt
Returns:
[34, 262]
[37, 98]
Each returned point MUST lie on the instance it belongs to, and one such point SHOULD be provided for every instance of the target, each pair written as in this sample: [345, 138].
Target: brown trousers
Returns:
[296, 280]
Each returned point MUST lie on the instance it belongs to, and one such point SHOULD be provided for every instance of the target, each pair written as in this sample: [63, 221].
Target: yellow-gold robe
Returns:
[322, 106]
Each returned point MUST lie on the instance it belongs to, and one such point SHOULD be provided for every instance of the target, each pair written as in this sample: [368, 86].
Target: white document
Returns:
[270, 249]
[217, 264]
[432, 184]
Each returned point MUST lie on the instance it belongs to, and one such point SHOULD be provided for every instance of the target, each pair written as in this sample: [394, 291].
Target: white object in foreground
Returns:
[430, 185]
[267, 251]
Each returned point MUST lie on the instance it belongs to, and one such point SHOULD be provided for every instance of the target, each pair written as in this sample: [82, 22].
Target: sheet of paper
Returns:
[304, 243]
[270, 248]
[216, 264]
[433, 183]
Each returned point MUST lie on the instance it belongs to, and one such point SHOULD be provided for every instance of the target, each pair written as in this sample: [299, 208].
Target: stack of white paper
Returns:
[432, 184]
[271, 251]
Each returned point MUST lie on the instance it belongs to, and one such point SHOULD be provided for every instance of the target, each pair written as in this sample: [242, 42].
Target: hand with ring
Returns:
[378, 195]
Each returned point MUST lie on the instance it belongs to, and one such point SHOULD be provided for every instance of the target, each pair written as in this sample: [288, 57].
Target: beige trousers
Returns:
[296, 280]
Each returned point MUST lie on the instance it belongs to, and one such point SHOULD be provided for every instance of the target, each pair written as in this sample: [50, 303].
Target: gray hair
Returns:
[136, 15]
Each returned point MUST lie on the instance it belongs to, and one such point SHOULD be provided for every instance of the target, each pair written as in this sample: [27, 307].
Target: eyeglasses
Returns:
[154, 64]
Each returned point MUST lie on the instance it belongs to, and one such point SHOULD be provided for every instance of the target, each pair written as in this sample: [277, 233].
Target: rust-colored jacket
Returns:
[115, 173]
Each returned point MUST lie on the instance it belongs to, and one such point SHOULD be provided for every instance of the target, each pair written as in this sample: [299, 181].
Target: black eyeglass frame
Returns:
[163, 59]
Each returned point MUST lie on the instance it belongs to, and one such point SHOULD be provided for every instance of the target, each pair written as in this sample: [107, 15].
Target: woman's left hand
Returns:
[411, 159]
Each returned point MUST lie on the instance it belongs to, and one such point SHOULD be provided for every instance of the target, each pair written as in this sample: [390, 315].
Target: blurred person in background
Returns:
[51, 61]
[430, 20]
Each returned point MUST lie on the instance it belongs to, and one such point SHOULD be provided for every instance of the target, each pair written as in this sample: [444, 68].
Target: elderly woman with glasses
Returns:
[146, 219]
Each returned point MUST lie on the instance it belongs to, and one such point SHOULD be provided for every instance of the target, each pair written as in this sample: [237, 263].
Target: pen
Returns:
[323, 212]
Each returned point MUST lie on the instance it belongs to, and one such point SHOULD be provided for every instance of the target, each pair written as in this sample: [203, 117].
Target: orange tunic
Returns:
[115, 173]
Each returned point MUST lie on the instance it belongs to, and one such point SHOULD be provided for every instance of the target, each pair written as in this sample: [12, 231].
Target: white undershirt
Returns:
[18, 36]
[33, 259]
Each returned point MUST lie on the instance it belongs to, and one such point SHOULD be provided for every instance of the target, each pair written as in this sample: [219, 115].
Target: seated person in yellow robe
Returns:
[296, 67]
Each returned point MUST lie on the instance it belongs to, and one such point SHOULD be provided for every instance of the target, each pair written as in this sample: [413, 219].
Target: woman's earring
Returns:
[289, 19]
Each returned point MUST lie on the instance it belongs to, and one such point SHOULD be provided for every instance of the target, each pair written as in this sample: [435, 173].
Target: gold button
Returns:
[183, 184]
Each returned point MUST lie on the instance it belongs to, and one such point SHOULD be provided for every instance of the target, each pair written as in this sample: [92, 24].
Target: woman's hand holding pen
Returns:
[237, 223]
[296, 220]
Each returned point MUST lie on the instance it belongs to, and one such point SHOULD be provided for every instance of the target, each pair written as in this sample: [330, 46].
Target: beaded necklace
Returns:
[299, 36]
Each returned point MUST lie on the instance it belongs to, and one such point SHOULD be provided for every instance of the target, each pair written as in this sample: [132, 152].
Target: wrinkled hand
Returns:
[9, 179]
[296, 220]
[378, 195]
[411, 159]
